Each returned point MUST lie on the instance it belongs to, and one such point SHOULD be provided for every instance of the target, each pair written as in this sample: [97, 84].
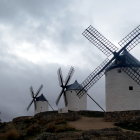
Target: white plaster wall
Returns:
[118, 95]
[41, 106]
[74, 102]
[63, 110]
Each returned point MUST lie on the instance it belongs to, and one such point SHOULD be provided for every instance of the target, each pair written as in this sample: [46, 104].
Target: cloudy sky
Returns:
[39, 36]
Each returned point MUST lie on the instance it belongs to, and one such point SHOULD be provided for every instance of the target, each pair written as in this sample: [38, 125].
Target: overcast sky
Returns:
[39, 36]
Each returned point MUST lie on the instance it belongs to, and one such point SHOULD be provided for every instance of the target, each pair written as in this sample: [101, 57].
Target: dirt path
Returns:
[87, 123]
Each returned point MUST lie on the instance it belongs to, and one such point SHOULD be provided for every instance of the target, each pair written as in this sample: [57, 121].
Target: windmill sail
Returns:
[58, 98]
[34, 96]
[129, 37]
[60, 77]
[94, 76]
[70, 74]
[108, 48]
[38, 91]
[29, 105]
[63, 84]
[133, 69]
[99, 41]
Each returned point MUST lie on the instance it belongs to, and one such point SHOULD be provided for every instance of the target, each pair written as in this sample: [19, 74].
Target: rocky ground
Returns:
[83, 125]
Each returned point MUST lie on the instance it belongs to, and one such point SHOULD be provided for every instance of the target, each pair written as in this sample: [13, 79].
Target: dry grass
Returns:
[58, 127]
[10, 135]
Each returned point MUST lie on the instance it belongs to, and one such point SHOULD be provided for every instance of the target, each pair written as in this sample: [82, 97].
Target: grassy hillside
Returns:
[51, 125]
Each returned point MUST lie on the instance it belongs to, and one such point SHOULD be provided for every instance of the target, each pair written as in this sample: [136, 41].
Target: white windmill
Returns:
[122, 71]
[71, 100]
[41, 104]
[69, 92]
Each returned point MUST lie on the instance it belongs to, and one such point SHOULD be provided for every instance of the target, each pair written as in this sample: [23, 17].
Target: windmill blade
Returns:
[32, 92]
[38, 91]
[99, 41]
[131, 40]
[95, 102]
[30, 104]
[94, 76]
[65, 99]
[134, 73]
[50, 106]
[62, 91]
[71, 71]
[60, 77]
[35, 104]
[132, 70]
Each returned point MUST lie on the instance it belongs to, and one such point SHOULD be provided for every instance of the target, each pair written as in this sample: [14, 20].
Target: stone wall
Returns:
[54, 115]
[122, 115]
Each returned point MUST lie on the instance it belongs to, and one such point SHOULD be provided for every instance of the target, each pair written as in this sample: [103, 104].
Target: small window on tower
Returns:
[130, 87]
[119, 71]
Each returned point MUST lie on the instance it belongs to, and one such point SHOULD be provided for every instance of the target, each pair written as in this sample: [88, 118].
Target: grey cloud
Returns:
[15, 85]
[47, 15]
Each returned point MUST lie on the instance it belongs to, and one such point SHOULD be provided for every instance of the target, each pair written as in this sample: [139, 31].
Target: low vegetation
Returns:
[91, 113]
[130, 124]
[11, 134]
[60, 126]
[46, 125]
[25, 128]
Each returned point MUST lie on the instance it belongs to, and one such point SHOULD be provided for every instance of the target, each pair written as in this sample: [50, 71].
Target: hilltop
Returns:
[71, 126]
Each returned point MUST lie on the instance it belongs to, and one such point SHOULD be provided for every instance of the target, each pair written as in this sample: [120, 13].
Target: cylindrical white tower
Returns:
[41, 104]
[74, 102]
[122, 92]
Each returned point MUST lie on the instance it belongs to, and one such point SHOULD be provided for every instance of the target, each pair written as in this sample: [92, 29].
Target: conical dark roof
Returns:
[124, 60]
[41, 98]
[74, 86]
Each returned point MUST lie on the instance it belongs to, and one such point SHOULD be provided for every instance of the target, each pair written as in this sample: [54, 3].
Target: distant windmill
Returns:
[40, 102]
[122, 71]
[72, 102]
[69, 92]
